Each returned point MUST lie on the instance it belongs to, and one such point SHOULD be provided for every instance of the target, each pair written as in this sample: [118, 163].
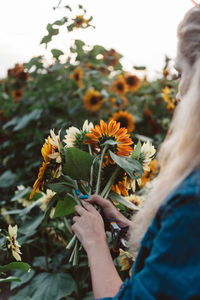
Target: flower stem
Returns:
[98, 185]
[109, 184]
[67, 226]
[71, 242]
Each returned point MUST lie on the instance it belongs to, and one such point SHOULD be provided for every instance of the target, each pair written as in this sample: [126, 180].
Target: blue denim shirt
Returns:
[168, 263]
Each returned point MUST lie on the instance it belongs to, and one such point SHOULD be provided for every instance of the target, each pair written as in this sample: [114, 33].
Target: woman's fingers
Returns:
[99, 200]
[79, 210]
[75, 218]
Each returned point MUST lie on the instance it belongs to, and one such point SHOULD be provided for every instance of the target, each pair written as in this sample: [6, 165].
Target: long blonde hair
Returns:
[179, 154]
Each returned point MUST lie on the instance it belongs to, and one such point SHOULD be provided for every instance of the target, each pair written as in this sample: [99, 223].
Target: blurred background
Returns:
[143, 31]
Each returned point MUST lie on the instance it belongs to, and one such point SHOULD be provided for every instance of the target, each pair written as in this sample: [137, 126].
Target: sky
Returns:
[143, 31]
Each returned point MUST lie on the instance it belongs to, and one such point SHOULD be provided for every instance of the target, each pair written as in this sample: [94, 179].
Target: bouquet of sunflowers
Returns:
[99, 159]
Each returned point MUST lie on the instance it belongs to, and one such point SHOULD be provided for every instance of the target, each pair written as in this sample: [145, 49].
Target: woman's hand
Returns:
[110, 211]
[88, 226]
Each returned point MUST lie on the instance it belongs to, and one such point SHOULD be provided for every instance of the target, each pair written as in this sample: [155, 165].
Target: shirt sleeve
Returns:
[172, 270]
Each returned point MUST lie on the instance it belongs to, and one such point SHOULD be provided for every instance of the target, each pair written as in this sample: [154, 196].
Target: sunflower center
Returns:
[79, 21]
[94, 99]
[130, 80]
[18, 94]
[123, 122]
[120, 86]
[105, 138]
[76, 77]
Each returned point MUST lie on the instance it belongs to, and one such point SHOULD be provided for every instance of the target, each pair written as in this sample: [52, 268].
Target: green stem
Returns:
[99, 171]
[91, 171]
[75, 258]
[109, 184]
[67, 226]
[71, 242]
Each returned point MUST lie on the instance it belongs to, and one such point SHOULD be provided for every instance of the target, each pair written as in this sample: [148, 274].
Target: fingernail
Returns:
[84, 197]
[77, 192]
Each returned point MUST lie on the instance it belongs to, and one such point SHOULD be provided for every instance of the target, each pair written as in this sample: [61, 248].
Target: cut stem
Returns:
[109, 184]
[99, 171]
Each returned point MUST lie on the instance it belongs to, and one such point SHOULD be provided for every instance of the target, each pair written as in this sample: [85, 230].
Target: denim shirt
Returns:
[168, 262]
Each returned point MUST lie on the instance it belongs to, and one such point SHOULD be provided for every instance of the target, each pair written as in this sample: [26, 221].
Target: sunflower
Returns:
[45, 151]
[93, 100]
[133, 82]
[77, 76]
[80, 21]
[119, 185]
[166, 94]
[110, 57]
[135, 199]
[40, 180]
[111, 131]
[149, 175]
[118, 102]
[17, 94]
[125, 119]
[18, 72]
[120, 86]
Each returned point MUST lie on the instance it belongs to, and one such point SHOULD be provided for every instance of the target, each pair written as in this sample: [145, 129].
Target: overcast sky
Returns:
[142, 30]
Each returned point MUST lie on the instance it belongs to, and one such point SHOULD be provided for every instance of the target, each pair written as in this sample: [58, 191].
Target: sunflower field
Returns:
[89, 83]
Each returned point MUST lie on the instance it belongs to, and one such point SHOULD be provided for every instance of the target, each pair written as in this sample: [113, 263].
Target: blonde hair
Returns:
[179, 154]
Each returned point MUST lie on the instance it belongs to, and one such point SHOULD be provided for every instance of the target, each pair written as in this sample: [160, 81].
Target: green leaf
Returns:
[15, 266]
[25, 120]
[7, 179]
[136, 153]
[78, 163]
[21, 193]
[122, 200]
[132, 167]
[56, 53]
[30, 225]
[60, 22]
[46, 39]
[139, 67]
[24, 277]
[60, 187]
[9, 279]
[52, 286]
[64, 207]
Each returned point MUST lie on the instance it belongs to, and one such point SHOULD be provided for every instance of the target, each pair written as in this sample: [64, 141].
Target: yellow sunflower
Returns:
[46, 150]
[120, 86]
[133, 82]
[77, 76]
[39, 181]
[17, 94]
[80, 21]
[93, 100]
[125, 119]
[118, 102]
[149, 175]
[110, 57]
[111, 131]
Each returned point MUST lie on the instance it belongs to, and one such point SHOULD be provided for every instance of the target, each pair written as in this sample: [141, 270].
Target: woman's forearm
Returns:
[105, 278]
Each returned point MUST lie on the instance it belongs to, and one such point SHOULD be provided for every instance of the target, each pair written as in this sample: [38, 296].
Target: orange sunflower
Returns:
[46, 150]
[120, 86]
[110, 57]
[118, 102]
[77, 76]
[17, 94]
[133, 82]
[149, 175]
[111, 131]
[125, 119]
[93, 100]
[80, 21]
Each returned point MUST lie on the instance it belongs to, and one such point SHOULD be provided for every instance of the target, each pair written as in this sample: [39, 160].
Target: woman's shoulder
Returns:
[186, 194]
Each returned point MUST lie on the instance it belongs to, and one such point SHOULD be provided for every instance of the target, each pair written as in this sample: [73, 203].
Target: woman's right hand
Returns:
[109, 210]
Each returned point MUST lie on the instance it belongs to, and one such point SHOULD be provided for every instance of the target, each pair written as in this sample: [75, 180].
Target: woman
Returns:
[166, 231]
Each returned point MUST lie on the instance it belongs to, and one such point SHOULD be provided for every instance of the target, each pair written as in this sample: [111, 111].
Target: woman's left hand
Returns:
[88, 226]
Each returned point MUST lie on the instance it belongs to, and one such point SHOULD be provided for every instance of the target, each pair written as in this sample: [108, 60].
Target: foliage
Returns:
[89, 83]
